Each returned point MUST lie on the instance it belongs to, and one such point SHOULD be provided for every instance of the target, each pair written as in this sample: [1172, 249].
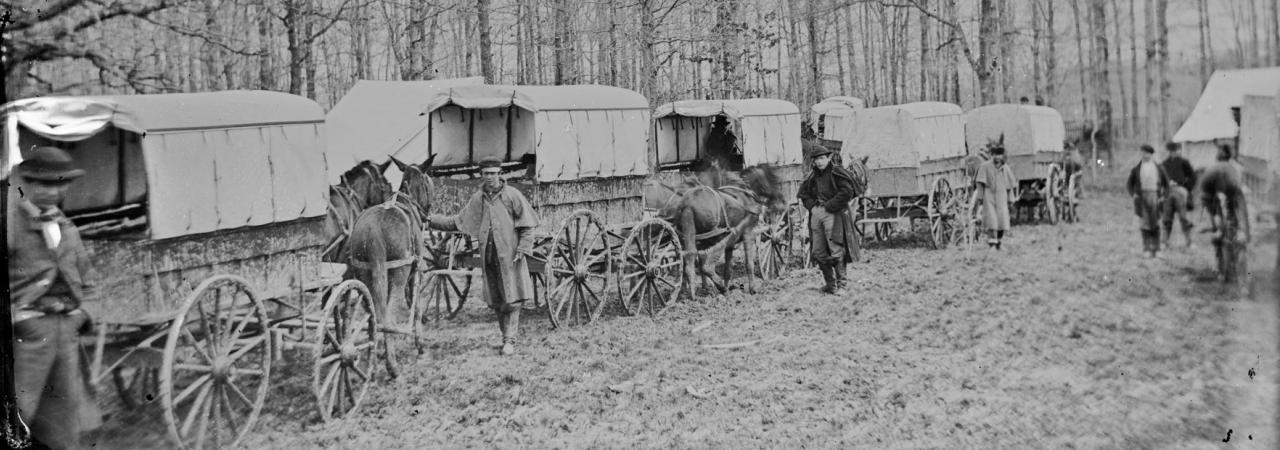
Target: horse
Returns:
[726, 213]
[360, 187]
[386, 242]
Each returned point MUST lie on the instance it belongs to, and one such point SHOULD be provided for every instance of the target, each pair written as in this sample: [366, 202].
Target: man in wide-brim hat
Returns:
[47, 262]
[501, 219]
[826, 194]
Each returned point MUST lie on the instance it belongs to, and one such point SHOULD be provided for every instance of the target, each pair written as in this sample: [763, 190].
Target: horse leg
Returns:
[688, 234]
[749, 247]
[728, 266]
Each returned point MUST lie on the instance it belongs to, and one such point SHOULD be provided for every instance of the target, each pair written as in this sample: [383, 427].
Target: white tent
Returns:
[1259, 133]
[831, 112]
[904, 135]
[575, 132]
[1211, 123]
[768, 130]
[376, 117]
[202, 162]
[1027, 129]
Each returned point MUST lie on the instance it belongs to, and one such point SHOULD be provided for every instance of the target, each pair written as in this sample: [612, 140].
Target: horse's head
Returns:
[994, 143]
[415, 184]
[764, 181]
[368, 182]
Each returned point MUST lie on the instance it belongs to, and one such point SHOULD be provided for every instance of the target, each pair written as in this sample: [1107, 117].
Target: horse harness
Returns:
[412, 214]
[349, 195]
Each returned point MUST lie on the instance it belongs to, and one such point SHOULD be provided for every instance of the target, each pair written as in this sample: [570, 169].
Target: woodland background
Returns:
[1133, 67]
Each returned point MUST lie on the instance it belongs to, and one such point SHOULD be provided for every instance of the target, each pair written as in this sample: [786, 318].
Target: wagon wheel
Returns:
[345, 340]
[442, 294]
[774, 246]
[136, 386]
[971, 218]
[217, 365]
[1070, 199]
[797, 232]
[941, 211]
[1050, 207]
[862, 207]
[651, 268]
[579, 263]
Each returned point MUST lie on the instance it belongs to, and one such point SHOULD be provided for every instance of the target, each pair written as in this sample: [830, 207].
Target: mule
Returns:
[725, 213]
[360, 187]
[386, 243]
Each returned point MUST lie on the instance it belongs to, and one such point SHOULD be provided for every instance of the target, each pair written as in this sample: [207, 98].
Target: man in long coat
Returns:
[47, 261]
[995, 181]
[826, 193]
[500, 218]
[1148, 184]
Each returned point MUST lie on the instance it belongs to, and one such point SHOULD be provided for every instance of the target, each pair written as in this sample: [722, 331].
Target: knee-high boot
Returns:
[828, 276]
[839, 269]
[509, 322]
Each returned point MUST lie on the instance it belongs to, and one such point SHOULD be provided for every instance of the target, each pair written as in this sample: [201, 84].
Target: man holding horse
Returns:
[502, 220]
[47, 264]
[995, 182]
[1182, 180]
[1147, 184]
[826, 193]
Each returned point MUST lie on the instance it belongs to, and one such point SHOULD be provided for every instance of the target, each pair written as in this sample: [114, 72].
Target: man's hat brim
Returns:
[46, 175]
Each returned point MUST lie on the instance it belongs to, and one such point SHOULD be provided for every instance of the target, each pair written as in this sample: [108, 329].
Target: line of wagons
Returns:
[204, 215]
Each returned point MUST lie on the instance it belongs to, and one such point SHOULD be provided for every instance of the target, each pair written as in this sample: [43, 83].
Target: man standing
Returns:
[500, 218]
[826, 193]
[1182, 181]
[47, 262]
[1147, 185]
[722, 145]
[995, 181]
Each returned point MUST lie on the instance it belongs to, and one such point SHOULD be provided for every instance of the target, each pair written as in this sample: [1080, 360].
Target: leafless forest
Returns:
[1134, 67]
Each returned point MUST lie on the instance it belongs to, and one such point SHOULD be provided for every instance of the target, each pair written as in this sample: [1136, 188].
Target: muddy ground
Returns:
[1068, 338]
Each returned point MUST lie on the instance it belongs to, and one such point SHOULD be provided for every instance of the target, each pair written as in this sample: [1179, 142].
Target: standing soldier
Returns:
[826, 193]
[995, 181]
[501, 219]
[47, 262]
[1182, 180]
[1147, 185]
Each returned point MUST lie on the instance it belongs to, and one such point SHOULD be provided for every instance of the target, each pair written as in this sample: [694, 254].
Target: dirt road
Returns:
[1067, 339]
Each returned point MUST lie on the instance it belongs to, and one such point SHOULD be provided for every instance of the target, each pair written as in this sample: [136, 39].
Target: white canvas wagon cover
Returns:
[768, 130]
[904, 135]
[213, 161]
[376, 118]
[1211, 119]
[835, 108]
[577, 131]
[1027, 129]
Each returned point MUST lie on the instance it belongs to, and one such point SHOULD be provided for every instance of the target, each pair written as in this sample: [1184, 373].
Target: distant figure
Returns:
[826, 194]
[722, 145]
[1147, 185]
[47, 264]
[1024, 100]
[1182, 180]
[995, 182]
[500, 218]
[1039, 101]
[1224, 177]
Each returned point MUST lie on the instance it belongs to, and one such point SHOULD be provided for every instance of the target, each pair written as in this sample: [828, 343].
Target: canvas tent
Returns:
[768, 130]
[1027, 129]
[1211, 122]
[1260, 141]
[201, 162]
[574, 132]
[830, 113]
[904, 135]
[377, 117]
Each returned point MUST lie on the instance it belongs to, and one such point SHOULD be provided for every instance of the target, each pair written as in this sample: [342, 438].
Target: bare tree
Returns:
[1080, 53]
[486, 41]
[1162, 39]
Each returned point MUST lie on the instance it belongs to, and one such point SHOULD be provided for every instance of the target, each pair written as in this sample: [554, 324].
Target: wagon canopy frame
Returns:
[1027, 129]
[211, 161]
[572, 132]
[768, 130]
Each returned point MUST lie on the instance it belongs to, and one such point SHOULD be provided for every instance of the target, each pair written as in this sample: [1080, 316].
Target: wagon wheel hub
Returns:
[579, 272]
[222, 369]
[651, 269]
[349, 353]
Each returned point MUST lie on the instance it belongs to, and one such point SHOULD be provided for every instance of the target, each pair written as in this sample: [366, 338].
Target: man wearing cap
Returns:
[826, 193]
[1182, 180]
[995, 180]
[501, 219]
[47, 262]
[722, 145]
[1147, 185]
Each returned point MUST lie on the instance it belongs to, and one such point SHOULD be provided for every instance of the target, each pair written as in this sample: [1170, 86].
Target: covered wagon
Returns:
[1033, 139]
[827, 117]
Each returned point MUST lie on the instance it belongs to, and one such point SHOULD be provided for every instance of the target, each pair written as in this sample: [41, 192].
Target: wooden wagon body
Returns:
[203, 216]
[915, 159]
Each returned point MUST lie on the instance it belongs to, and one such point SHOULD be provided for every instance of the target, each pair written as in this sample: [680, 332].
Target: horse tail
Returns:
[376, 252]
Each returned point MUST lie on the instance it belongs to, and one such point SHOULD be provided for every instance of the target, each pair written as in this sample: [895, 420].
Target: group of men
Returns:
[1161, 194]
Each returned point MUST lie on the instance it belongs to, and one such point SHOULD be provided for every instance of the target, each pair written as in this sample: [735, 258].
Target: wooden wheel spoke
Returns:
[635, 289]
[226, 409]
[195, 344]
[209, 331]
[192, 388]
[247, 348]
[199, 407]
[633, 275]
[239, 395]
[238, 329]
[360, 373]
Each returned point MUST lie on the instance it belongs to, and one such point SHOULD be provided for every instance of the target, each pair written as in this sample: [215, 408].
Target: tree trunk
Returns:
[648, 59]
[1101, 74]
[1275, 32]
[211, 55]
[1080, 52]
[486, 42]
[1037, 33]
[1125, 122]
[868, 58]
[988, 27]
[1255, 50]
[293, 13]
[840, 44]
[924, 52]
[815, 49]
[1162, 30]
[1051, 60]
[308, 55]
[1007, 35]
[1236, 26]
[1138, 117]
[1153, 106]
[560, 41]
[851, 56]
[266, 69]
